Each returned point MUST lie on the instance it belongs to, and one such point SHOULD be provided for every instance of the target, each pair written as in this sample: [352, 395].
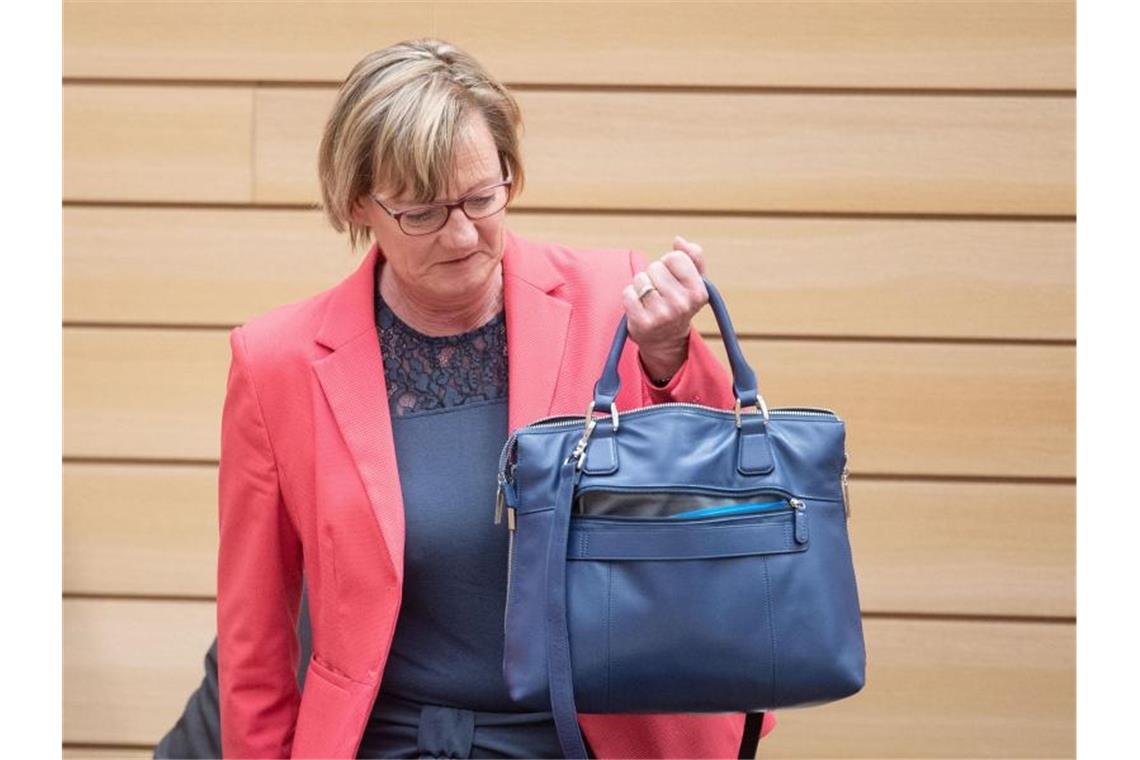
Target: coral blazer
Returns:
[308, 487]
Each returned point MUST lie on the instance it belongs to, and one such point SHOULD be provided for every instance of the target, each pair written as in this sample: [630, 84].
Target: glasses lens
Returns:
[486, 203]
[423, 220]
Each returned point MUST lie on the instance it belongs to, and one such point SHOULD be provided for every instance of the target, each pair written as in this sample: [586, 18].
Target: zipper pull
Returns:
[499, 501]
[511, 519]
[846, 496]
[799, 521]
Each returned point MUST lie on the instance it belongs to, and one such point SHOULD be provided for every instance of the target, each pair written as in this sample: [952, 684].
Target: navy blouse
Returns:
[443, 693]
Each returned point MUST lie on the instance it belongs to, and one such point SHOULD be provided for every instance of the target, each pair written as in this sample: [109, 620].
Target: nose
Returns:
[459, 232]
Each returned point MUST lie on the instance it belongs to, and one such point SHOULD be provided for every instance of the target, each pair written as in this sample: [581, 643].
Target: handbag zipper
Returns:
[795, 506]
[787, 504]
[569, 420]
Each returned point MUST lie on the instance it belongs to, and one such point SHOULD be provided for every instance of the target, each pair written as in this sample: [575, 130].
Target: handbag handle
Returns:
[744, 385]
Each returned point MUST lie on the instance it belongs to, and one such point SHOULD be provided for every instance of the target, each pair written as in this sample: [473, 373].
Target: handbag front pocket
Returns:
[641, 588]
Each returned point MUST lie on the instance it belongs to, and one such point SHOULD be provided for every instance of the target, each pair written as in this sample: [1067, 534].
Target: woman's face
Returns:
[462, 257]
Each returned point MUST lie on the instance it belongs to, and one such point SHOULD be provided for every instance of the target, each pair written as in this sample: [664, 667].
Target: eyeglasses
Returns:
[429, 218]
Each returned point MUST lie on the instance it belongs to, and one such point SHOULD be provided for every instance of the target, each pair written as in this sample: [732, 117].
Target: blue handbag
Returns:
[678, 558]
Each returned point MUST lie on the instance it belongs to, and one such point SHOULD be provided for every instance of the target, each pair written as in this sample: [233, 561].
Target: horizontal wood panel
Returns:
[964, 548]
[934, 688]
[129, 666]
[809, 153]
[911, 408]
[148, 143]
[194, 266]
[862, 277]
[947, 689]
[927, 547]
[140, 529]
[143, 393]
[930, 409]
[785, 44]
[98, 753]
[731, 152]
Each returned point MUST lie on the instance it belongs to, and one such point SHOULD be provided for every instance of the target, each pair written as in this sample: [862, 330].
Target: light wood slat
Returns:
[731, 152]
[864, 277]
[861, 277]
[947, 689]
[140, 529]
[935, 688]
[930, 409]
[228, 40]
[157, 143]
[936, 409]
[964, 548]
[129, 666]
[788, 44]
[144, 393]
[817, 44]
[97, 753]
[195, 266]
[928, 547]
[290, 123]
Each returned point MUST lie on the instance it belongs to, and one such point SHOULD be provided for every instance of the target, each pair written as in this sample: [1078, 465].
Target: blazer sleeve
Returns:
[702, 379]
[197, 733]
[259, 579]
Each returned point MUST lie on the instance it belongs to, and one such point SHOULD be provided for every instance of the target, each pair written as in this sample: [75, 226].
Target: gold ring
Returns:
[646, 291]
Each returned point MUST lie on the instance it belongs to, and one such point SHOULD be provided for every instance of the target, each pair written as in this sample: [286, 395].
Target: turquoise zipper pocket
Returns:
[730, 510]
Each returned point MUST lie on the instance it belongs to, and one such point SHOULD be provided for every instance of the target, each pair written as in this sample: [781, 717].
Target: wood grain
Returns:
[935, 688]
[140, 529]
[911, 409]
[919, 546]
[106, 753]
[917, 154]
[835, 277]
[947, 689]
[144, 143]
[1004, 45]
[129, 666]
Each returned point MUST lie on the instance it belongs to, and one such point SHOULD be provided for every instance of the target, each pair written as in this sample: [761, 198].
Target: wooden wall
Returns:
[885, 192]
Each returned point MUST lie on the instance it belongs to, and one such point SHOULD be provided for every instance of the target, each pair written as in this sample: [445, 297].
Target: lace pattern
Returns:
[426, 373]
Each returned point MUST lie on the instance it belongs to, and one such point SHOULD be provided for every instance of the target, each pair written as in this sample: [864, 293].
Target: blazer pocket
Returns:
[325, 713]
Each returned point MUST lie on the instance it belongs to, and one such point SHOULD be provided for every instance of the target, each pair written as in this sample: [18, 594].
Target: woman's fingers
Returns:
[694, 251]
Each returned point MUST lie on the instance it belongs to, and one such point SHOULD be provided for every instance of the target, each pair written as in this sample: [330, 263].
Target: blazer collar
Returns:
[352, 376]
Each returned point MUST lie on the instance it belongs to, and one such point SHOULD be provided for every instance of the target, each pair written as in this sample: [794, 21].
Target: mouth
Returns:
[460, 261]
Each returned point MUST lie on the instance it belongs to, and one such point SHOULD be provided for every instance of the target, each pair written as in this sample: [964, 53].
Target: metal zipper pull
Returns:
[511, 519]
[499, 501]
[846, 495]
[799, 520]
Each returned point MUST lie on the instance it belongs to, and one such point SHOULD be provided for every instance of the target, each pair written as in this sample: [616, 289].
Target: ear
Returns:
[357, 214]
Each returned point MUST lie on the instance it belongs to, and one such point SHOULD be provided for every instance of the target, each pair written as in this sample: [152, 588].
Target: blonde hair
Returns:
[395, 122]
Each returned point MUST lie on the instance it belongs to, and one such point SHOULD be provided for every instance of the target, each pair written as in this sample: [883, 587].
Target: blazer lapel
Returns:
[352, 376]
[537, 325]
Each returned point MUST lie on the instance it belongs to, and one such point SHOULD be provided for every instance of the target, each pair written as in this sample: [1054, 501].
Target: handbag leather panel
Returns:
[599, 539]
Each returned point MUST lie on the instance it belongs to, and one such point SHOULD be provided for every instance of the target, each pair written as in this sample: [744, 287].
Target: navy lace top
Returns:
[427, 372]
[442, 693]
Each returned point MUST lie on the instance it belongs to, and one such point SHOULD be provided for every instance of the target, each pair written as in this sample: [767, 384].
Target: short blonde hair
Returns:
[394, 124]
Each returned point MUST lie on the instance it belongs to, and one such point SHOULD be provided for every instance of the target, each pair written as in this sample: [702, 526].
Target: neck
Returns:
[435, 318]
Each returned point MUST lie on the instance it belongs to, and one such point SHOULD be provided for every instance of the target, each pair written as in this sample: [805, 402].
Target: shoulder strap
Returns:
[557, 630]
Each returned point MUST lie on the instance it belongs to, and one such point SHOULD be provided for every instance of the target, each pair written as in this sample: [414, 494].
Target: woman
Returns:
[361, 431]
